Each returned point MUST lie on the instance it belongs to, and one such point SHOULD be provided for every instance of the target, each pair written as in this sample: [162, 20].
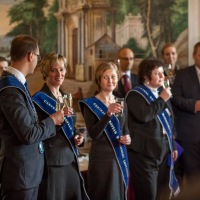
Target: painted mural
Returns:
[89, 32]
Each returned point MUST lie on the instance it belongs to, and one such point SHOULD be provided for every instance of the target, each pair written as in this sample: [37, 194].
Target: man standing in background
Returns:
[128, 80]
[186, 100]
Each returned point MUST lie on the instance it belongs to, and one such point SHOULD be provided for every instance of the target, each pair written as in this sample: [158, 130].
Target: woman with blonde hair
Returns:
[62, 178]
[108, 163]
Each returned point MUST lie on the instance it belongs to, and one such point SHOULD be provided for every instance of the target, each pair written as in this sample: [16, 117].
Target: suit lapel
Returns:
[194, 76]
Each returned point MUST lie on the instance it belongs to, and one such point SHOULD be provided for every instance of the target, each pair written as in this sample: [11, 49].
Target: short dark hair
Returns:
[196, 46]
[21, 45]
[146, 67]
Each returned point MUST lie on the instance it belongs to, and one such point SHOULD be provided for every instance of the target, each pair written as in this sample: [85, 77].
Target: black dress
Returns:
[104, 176]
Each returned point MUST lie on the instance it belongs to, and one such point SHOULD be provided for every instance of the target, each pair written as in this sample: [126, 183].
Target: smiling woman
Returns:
[60, 151]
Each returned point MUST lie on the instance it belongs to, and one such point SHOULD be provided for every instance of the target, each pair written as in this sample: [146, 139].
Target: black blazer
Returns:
[186, 91]
[145, 129]
[120, 92]
[20, 135]
[58, 151]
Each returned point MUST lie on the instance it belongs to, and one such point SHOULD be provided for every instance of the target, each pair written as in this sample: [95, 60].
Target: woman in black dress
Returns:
[108, 163]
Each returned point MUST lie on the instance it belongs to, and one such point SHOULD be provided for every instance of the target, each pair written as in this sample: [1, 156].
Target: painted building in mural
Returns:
[83, 27]
[83, 22]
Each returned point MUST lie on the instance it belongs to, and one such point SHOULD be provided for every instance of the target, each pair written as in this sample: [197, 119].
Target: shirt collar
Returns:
[153, 90]
[128, 73]
[17, 74]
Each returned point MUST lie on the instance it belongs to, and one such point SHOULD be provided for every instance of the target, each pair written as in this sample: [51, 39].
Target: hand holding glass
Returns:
[121, 102]
[166, 84]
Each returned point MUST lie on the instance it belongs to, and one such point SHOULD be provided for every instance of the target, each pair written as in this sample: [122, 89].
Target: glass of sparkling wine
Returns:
[121, 102]
[166, 84]
[168, 70]
[59, 105]
[67, 99]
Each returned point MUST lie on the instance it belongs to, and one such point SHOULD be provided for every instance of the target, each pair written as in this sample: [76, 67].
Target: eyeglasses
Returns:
[38, 56]
[126, 58]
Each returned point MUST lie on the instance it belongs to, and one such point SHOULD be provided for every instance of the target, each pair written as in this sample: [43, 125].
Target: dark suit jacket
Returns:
[58, 151]
[145, 129]
[120, 92]
[186, 91]
[20, 136]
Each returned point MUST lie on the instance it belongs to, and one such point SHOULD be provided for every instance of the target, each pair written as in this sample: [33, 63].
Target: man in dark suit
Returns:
[186, 100]
[21, 149]
[128, 80]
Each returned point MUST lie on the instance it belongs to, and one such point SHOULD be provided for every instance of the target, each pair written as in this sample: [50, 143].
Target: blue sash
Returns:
[112, 131]
[11, 81]
[48, 105]
[165, 120]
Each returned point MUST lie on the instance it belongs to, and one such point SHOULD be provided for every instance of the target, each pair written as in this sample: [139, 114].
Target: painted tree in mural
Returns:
[163, 20]
[158, 17]
[30, 19]
[50, 42]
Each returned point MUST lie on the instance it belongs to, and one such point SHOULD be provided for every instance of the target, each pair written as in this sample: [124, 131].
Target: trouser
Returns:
[29, 194]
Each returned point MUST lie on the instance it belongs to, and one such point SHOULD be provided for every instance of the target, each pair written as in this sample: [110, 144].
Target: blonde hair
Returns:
[101, 69]
[49, 61]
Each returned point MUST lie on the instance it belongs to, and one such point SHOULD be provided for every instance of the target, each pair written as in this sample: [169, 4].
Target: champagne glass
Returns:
[166, 84]
[59, 104]
[67, 99]
[168, 70]
[121, 102]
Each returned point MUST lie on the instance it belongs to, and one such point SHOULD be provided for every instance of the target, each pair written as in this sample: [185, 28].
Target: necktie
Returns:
[126, 83]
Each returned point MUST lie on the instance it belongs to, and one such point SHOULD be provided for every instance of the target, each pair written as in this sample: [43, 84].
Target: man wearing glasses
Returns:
[21, 134]
[127, 80]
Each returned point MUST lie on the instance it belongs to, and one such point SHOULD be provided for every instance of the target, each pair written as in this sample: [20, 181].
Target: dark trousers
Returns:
[191, 161]
[29, 194]
[149, 176]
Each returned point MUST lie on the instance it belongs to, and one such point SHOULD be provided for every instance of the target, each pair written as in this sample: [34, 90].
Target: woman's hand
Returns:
[174, 155]
[78, 139]
[114, 108]
[125, 139]
[68, 111]
[166, 94]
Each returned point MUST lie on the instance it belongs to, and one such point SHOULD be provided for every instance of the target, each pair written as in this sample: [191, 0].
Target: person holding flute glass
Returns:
[106, 122]
[150, 119]
[62, 178]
